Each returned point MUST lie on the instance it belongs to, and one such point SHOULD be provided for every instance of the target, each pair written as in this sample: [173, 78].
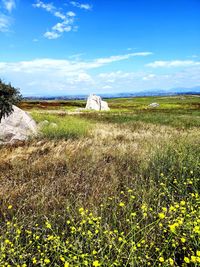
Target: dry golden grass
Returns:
[42, 176]
[121, 193]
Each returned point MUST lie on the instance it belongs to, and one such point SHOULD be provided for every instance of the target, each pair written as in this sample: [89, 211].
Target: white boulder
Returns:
[18, 126]
[154, 105]
[95, 102]
[104, 106]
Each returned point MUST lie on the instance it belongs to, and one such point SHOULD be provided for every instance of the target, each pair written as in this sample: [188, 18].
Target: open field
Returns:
[118, 188]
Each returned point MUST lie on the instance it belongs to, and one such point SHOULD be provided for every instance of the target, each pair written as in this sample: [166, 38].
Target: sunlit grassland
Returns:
[176, 111]
[105, 189]
[62, 127]
[122, 104]
[177, 119]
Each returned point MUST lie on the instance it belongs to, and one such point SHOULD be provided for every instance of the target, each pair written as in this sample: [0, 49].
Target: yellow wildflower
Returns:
[161, 259]
[48, 225]
[62, 258]
[182, 203]
[34, 260]
[186, 259]
[193, 259]
[96, 263]
[46, 260]
[183, 240]
[171, 261]
[161, 215]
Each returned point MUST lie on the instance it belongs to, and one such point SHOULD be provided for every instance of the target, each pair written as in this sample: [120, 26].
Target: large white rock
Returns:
[18, 126]
[95, 102]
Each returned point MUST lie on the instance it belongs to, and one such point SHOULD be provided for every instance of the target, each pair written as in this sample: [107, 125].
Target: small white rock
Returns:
[53, 125]
[154, 105]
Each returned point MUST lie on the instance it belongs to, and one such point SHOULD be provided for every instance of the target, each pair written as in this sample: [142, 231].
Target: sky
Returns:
[58, 48]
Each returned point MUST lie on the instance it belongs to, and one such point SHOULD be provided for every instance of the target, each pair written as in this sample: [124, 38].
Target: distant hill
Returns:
[154, 92]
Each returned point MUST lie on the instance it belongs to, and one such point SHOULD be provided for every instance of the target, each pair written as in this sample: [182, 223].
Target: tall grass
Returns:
[127, 195]
[62, 127]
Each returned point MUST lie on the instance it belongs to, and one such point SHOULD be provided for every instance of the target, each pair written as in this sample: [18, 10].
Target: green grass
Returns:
[177, 118]
[175, 111]
[126, 195]
[62, 127]
[123, 104]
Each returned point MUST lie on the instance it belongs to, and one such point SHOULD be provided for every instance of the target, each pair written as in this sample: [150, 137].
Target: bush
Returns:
[8, 97]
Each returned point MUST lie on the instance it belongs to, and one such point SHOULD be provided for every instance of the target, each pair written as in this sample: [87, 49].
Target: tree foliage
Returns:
[9, 96]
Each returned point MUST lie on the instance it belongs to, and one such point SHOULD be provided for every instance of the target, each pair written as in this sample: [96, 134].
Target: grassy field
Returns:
[118, 188]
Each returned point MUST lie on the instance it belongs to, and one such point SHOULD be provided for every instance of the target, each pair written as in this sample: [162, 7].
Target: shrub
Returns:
[8, 97]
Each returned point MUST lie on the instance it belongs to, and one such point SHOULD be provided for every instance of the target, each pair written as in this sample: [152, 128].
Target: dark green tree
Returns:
[9, 96]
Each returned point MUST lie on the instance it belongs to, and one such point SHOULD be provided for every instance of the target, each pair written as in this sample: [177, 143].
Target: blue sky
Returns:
[52, 47]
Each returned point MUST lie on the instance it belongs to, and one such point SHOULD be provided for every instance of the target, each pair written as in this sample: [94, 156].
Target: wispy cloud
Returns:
[52, 75]
[67, 18]
[66, 24]
[9, 5]
[51, 35]
[62, 77]
[173, 64]
[144, 80]
[122, 57]
[5, 22]
[81, 6]
[48, 7]
[67, 65]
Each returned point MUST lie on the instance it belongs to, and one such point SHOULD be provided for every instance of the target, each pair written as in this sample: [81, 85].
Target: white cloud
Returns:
[51, 35]
[173, 63]
[149, 77]
[71, 14]
[77, 57]
[102, 61]
[58, 14]
[67, 66]
[66, 24]
[50, 75]
[9, 5]
[61, 27]
[107, 87]
[5, 18]
[5, 22]
[48, 7]
[122, 81]
[81, 6]
[75, 76]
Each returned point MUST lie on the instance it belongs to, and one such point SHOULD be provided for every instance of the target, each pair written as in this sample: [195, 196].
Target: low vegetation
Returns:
[104, 189]
[61, 127]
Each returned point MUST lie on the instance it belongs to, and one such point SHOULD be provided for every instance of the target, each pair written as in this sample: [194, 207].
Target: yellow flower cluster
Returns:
[126, 230]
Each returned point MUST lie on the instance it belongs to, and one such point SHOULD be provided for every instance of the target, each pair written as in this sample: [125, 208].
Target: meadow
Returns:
[118, 188]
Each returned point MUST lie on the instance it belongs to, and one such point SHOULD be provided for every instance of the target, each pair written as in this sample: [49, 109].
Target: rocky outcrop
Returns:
[18, 126]
[95, 102]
